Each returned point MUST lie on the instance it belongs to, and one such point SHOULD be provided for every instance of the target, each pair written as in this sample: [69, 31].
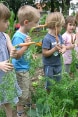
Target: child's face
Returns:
[3, 25]
[31, 24]
[71, 27]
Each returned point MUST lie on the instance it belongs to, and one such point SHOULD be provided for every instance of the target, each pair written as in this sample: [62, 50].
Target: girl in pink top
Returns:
[69, 37]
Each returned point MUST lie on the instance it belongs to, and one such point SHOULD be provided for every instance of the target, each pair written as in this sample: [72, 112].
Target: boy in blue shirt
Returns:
[28, 17]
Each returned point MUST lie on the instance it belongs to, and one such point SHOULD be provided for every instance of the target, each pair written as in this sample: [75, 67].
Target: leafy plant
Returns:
[74, 62]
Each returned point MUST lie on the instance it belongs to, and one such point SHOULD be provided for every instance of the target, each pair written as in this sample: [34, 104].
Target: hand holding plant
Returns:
[58, 47]
[62, 50]
[28, 39]
[6, 66]
[13, 53]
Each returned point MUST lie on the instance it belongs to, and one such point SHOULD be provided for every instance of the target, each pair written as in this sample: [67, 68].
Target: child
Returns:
[6, 48]
[52, 47]
[28, 17]
[69, 38]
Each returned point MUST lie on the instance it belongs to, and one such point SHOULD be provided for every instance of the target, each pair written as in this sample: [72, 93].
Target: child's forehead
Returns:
[70, 19]
[72, 22]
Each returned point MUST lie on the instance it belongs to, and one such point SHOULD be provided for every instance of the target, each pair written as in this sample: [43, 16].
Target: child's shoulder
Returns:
[47, 37]
[6, 35]
[65, 33]
[18, 34]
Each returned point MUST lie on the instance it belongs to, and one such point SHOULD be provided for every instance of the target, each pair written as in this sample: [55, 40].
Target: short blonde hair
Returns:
[4, 12]
[54, 19]
[29, 13]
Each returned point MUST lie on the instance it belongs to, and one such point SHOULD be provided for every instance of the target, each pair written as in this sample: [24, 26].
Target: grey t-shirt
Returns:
[49, 42]
[4, 54]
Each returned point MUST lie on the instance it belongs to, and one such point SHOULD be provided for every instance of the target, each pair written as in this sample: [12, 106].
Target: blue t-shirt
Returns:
[23, 63]
[49, 42]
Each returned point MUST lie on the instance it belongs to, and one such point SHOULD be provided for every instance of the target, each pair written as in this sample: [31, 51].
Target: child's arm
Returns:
[11, 48]
[9, 44]
[63, 49]
[70, 47]
[13, 52]
[6, 66]
[21, 51]
[47, 52]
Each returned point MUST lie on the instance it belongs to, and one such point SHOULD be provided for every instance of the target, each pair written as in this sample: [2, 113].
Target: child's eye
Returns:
[70, 24]
[74, 24]
[5, 20]
[36, 22]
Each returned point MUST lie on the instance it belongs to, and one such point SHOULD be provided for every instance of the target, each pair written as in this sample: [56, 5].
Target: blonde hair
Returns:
[4, 12]
[29, 13]
[54, 19]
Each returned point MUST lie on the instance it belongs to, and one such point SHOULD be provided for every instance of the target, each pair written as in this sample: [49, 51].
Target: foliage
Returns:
[62, 100]
[11, 28]
[38, 34]
[7, 87]
[14, 5]
[2, 113]
[50, 4]
[74, 61]
[42, 19]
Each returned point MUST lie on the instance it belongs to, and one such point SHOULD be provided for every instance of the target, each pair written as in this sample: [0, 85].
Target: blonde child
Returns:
[28, 17]
[52, 48]
[6, 50]
[69, 39]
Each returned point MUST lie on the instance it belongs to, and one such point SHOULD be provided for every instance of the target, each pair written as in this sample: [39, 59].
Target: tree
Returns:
[16, 4]
[65, 6]
[51, 5]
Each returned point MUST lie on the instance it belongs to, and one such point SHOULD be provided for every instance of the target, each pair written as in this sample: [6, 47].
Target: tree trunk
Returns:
[52, 6]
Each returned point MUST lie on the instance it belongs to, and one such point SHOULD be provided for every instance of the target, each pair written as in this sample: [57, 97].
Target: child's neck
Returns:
[22, 30]
[69, 32]
[52, 32]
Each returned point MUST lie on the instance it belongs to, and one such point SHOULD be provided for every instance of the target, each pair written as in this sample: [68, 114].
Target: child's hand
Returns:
[28, 39]
[62, 50]
[58, 47]
[72, 46]
[6, 66]
[13, 53]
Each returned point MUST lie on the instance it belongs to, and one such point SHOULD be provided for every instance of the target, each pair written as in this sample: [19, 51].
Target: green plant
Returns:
[74, 62]
[62, 100]
[2, 113]
[11, 28]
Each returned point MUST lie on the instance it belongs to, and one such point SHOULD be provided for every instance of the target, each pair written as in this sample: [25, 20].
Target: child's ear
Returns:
[26, 22]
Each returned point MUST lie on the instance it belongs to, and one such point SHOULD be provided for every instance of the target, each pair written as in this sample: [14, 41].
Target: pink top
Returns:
[67, 56]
